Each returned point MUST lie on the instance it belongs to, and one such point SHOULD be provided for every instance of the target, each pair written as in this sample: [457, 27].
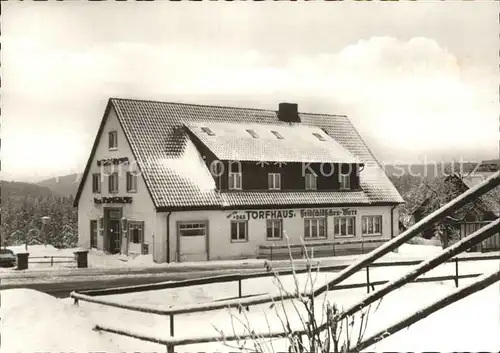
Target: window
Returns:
[252, 133]
[113, 140]
[192, 229]
[319, 137]
[208, 131]
[345, 181]
[131, 182]
[311, 181]
[274, 181]
[235, 176]
[113, 183]
[278, 135]
[136, 232]
[93, 234]
[274, 229]
[372, 225]
[315, 228]
[344, 226]
[96, 183]
[239, 231]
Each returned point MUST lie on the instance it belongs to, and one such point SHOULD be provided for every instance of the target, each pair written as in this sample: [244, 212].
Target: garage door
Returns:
[193, 241]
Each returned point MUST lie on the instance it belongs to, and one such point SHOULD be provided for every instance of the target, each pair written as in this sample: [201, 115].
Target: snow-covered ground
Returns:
[472, 324]
[99, 260]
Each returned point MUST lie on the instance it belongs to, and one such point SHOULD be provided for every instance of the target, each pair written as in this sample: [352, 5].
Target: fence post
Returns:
[172, 325]
[368, 279]
[51, 261]
[456, 272]
[239, 288]
[333, 248]
[272, 246]
[362, 247]
[170, 348]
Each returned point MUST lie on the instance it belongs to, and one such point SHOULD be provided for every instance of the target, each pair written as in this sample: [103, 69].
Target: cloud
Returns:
[409, 98]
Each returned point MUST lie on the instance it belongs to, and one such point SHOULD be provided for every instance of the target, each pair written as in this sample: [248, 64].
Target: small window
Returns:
[274, 229]
[252, 133]
[345, 181]
[136, 232]
[113, 183]
[208, 131]
[321, 138]
[93, 234]
[372, 225]
[274, 181]
[96, 183]
[113, 140]
[344, 226]
[131, 182]
[311, 181]
[235, 181]
[278, 135]
[315, 228]
[192, 229]
[239, 231]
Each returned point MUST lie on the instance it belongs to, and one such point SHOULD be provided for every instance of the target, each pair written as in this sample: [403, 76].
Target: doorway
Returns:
[112, 218]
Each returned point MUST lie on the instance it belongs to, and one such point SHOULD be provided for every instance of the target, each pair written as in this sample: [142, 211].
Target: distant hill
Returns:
[427, 170]
[15, 189]
[63, 186]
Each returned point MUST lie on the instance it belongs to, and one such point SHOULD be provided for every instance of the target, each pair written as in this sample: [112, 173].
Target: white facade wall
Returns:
[219, 231]
[141, 208]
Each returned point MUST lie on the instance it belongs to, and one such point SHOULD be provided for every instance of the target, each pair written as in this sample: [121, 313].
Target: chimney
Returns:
[288, 112]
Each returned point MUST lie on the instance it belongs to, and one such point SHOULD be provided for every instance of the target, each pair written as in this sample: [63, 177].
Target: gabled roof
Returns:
[256, 142]
[457, 184]
[177, 178]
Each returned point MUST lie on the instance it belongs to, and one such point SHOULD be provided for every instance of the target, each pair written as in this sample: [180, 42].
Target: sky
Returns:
[419, 80]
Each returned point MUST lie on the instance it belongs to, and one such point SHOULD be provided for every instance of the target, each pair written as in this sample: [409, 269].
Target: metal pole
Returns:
[449, 208]
[456, 272]
[368, 279]
[424, 267]
[172, 326]
[239, 288]
[483, 282]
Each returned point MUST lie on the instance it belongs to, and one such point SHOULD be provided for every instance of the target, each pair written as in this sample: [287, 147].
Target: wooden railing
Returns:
[366, 261]
[490, 244]
[65, 260]
[319, 248]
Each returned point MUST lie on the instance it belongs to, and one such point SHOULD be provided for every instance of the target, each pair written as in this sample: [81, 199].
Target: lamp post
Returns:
[45, 223]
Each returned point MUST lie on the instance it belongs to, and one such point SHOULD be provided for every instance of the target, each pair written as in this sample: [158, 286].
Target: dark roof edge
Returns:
[92, 154]
[270, 207]
[220, 106]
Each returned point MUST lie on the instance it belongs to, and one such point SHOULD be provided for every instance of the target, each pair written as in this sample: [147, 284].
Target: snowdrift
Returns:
[33, 321]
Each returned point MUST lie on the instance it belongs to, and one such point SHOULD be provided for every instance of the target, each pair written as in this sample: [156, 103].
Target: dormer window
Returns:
[235, 176]
[208, 131]
[310, 180]
[274, 181]
[345, 181]
[252, 133]
[319, 137]
[277, 134]
[113, 140]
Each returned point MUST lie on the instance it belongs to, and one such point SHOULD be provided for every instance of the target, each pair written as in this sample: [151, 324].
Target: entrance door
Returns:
[112, 218]
[193, 240]
[114, 236]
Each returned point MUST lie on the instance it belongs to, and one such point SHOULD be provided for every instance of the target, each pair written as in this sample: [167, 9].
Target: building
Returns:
[439, 191]
[192, 182]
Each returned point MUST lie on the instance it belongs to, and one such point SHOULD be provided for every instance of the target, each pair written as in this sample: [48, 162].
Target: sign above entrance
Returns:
[282, 214]
[116, 199]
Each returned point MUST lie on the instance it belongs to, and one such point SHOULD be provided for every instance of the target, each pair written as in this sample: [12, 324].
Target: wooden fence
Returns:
[319, 249]
[490, 244]
[364, 262]
[59, 260]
